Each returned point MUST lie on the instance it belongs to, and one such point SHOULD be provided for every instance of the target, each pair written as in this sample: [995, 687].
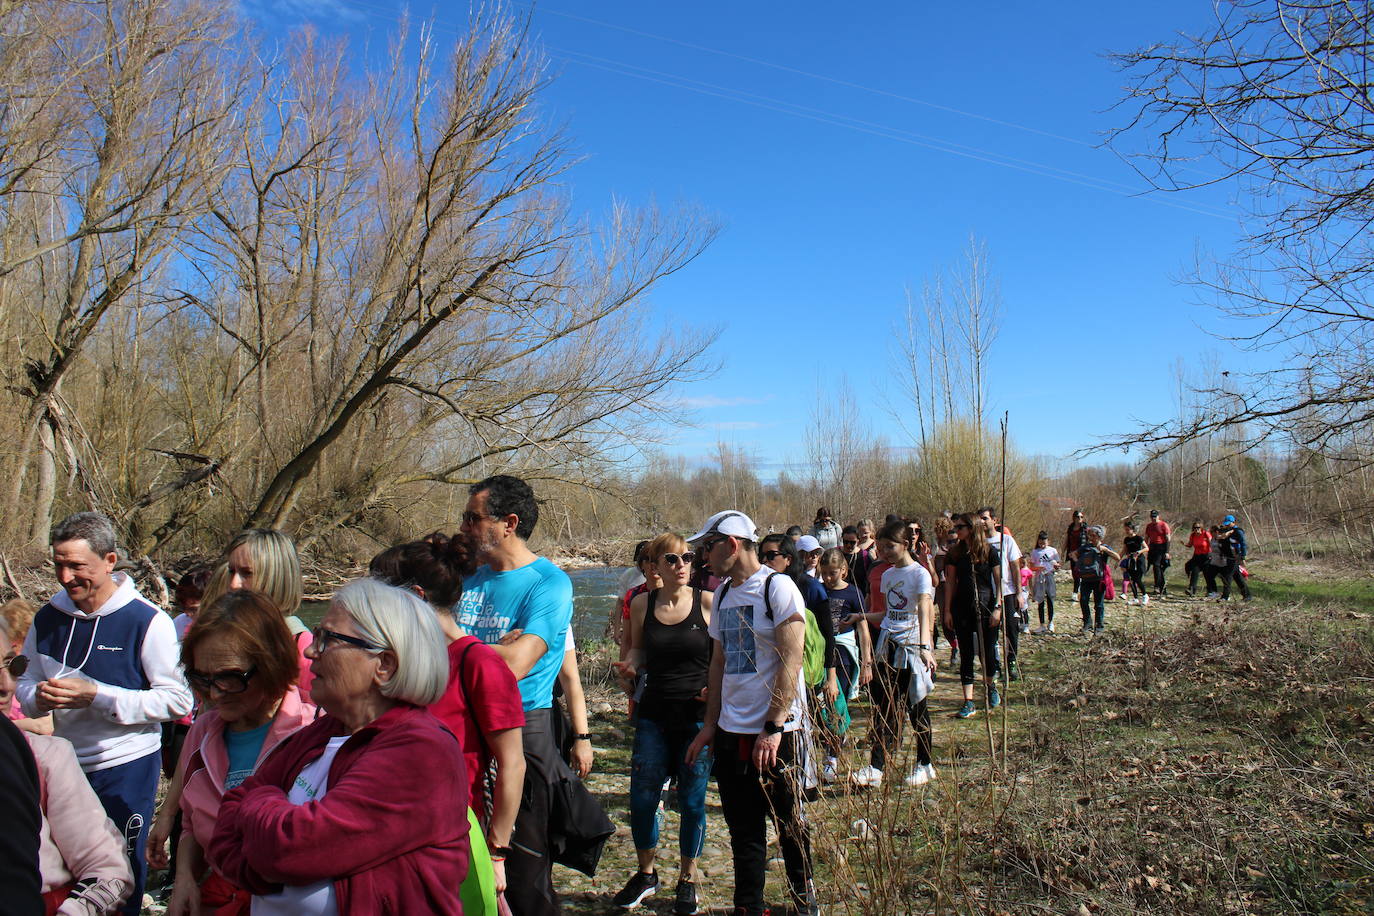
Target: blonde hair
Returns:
[834, 557]
[18, 617]
[276, 568]
[667, 542]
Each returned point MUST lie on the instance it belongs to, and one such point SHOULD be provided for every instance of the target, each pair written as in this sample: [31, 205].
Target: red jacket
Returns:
[391, 829]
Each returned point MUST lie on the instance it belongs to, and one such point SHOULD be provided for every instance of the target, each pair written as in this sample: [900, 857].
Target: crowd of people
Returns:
[408, 754]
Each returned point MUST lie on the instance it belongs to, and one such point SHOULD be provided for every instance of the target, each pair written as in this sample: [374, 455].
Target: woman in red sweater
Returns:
[331, 822]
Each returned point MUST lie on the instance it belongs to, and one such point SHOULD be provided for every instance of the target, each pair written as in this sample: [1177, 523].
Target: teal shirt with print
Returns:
[537, 599]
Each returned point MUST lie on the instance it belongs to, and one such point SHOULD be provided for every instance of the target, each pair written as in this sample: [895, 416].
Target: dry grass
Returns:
[1198, 758]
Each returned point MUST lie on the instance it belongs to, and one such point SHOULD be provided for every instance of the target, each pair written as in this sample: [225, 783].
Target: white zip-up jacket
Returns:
[129, 649]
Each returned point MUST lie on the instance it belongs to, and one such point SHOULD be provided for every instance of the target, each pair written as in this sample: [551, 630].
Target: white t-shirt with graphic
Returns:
[316, 899]
[1044, 558]
[901, 585]
[740, 623]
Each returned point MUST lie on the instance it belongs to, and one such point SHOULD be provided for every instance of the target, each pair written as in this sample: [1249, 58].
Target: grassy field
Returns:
[1198, 757]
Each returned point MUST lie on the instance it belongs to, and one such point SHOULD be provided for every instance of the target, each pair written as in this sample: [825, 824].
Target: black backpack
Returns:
[1089, 562]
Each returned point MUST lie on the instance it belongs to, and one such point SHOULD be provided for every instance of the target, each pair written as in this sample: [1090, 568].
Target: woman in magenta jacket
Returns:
[354, 813]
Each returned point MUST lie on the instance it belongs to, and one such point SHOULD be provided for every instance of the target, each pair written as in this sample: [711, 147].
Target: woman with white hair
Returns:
[331, 822]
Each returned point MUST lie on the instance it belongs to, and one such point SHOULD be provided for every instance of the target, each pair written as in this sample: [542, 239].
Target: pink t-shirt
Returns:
[487, 682]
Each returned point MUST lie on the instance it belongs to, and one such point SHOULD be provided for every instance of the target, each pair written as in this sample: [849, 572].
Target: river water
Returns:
[595, 593]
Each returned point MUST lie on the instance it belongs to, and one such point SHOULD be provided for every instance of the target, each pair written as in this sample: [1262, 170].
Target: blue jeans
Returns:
[127, 792]
[657, 753]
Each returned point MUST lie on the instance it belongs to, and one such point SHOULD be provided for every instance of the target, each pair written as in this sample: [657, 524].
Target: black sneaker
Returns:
[634, 892]
[685, 900]
[1014, 671]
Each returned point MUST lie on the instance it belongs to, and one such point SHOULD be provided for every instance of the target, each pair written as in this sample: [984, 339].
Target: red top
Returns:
[875, 587]
[385, 831]
[487, 681]
[1157, 533]
[1201, 542]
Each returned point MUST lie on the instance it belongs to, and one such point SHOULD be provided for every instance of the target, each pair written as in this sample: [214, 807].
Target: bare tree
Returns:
[1278, 99]
[143, 96]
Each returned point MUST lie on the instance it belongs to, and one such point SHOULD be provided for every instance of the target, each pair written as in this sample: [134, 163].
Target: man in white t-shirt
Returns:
[1013, 621]
[754, 712]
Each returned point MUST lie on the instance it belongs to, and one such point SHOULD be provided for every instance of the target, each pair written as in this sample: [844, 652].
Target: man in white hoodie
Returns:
[104, 661]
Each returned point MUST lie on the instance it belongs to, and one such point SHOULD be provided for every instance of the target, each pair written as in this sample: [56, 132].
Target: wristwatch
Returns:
[772, 728]
[586, 736]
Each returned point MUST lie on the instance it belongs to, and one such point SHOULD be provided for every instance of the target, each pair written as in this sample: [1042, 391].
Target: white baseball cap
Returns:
[731, 522]
[806, 543]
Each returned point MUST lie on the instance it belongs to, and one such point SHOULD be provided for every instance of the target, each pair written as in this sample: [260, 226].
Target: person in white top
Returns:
[905, 612]
[754, 711]
[1044, 560]
[1014, 623]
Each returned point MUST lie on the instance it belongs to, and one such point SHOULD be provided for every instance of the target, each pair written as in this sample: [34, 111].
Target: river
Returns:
[595, 592]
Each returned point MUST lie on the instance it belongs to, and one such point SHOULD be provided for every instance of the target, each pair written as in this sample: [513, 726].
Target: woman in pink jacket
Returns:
[240, 659]
[81, 860]
[354, 813]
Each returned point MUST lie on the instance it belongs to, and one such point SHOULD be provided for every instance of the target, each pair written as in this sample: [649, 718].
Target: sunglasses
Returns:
[17, 664]
[673, 559]
[961, 525]
[851, 543]
[770, 555]
[223, 681]
[323, 639]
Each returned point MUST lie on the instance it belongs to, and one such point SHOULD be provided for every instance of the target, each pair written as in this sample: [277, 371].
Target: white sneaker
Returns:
[921, 774]
[1050, 629]
[1144, 600]
[1211, 594]
[870, 777]
[831, 771]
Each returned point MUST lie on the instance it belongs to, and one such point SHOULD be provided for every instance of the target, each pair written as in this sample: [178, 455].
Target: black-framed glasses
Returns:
[673, 559]
[223, 681]
[770, 555]
[17, 664]
[850, 543]
[323, 639]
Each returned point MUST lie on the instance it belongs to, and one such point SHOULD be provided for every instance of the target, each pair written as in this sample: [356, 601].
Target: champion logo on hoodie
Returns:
[104, 648]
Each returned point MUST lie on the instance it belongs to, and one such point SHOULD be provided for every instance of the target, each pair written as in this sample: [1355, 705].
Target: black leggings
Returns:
[1134, 569]
[1048, 602]
[889, 688]
[968, 648]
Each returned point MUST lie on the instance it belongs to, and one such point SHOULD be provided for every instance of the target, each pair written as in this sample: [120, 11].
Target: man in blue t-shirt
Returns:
[516, 591]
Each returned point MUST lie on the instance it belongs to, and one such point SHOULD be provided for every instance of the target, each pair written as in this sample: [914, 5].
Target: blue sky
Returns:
[849, 154]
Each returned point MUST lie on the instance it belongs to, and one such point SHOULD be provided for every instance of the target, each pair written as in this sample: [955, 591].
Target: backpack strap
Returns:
[767, 596]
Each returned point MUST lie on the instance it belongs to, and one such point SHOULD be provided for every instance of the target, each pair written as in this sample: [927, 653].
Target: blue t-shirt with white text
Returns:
[536, 599]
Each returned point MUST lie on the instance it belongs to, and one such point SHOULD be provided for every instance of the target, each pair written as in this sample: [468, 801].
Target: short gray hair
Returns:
[397, 619]
[92, 527]
[1098, 530]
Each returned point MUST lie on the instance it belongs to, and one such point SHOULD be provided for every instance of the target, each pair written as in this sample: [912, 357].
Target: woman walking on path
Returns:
[905, 659]
[1044, 560]
[1074, 539]
[1091, 560]
[825, 529]
[973, 606]
[1200, 540]
[1133, 564]
[670, 644]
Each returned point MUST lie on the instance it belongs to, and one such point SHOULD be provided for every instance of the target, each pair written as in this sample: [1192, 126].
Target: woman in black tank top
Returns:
[669, 642]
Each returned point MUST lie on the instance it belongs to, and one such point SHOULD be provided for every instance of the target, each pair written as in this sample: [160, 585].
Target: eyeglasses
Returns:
[851, 543]
[770, 555]
[323, 639]
[961, 525]
[17, 664]
[673, 559]
[472, 518]
[223, 681]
